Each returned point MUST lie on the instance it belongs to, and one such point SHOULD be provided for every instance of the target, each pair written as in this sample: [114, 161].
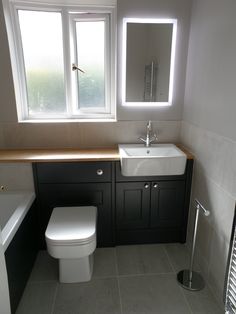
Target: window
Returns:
[63, 61]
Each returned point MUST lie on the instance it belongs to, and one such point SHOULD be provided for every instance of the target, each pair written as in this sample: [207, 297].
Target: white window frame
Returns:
[75, 104]
[101, 8]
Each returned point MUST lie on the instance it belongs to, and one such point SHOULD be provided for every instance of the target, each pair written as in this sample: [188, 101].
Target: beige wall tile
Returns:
[1, 137]
[16, 176]
[217, 264]
[57, 135]
[212, 180]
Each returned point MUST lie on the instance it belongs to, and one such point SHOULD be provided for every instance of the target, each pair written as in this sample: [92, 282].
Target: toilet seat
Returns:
[72, 226]
[71, 238]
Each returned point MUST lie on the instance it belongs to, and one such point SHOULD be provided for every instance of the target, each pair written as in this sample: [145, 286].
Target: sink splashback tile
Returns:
[97, 134]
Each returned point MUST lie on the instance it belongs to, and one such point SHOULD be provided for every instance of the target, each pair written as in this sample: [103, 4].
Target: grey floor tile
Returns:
[142, 294]
[99, 296]
[202, 302]
[45, 268]
[142, 259]
[179, 256]
[104, 263]
[38, 298]
[149, 294]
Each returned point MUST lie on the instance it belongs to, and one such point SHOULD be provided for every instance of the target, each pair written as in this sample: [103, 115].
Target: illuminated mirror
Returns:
[148, 61]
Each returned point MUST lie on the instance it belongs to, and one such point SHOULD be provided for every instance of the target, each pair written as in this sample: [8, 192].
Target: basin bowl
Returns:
[156, 160]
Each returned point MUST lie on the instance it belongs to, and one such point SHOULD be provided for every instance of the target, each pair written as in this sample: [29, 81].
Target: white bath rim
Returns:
[14, 206]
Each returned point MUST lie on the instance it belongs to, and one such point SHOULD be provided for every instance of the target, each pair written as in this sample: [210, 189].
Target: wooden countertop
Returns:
[189, 155]
[65, 154]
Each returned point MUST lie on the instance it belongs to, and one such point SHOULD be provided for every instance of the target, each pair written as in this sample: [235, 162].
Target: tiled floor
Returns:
[137, 279]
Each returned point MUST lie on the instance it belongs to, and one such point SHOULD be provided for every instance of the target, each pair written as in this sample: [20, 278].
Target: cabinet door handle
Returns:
[155, 185]
[146, 185]
[99, 172]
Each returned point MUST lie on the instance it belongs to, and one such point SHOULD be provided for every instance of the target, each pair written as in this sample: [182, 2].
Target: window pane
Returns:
[90, 57]
[41, 34]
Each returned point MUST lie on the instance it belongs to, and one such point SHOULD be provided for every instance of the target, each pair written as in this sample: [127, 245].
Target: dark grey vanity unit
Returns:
[152, 209]
[130, 209]
[76, 184]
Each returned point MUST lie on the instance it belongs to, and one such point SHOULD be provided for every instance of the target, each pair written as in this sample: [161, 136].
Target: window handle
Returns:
[75, 68]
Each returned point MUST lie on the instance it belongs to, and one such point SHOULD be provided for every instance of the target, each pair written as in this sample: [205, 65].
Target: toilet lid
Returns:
[70, 225]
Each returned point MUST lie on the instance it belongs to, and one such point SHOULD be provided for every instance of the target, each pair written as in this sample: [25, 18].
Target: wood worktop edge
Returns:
[66, 154]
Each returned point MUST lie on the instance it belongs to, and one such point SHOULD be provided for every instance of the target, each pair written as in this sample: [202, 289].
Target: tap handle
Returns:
[142, 139]
[154, 138]
[149, 125]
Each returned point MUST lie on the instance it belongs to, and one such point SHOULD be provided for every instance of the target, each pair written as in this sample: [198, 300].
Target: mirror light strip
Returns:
[172, 61]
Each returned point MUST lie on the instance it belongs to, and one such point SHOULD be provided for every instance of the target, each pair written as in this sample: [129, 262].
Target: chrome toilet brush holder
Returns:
[188, 278]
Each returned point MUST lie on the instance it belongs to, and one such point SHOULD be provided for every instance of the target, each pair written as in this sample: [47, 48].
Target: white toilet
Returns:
[71, 237]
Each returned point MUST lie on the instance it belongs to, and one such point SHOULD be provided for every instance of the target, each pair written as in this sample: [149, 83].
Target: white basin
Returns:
[156, 160]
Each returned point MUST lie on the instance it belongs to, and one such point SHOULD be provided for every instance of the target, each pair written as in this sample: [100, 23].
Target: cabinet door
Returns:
[167, 204]
[96, 194]
[132, 205]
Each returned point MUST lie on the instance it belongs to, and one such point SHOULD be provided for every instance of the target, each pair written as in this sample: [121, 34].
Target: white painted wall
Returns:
[209, 129]
[211, 73]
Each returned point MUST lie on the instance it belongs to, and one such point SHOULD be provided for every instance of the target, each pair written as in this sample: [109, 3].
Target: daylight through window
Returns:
[65, 62]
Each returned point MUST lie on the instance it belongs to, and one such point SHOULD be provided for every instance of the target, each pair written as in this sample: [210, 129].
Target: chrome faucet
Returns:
[150, 136]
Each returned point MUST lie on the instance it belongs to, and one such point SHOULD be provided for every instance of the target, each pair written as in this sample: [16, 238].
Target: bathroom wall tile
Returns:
[217, 264]
[203, 239]
[31, 135]
[142, 259]
[167, 131]
[220, 203]
[104, 263]
[100, 296]
[214, 183]
[74, 134]
[45, 268]
[93, 135]
[16, 176]
[215, 154]
[112, 133]
[228, 177]
[38, 298]
[152, 294]
[210, 181]
[1, 137]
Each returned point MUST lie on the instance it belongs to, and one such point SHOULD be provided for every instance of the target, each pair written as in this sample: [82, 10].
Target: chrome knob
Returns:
[155, 185]
[99, 172]
[146, 185]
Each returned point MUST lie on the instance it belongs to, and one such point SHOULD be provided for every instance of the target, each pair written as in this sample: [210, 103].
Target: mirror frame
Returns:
[172, 61]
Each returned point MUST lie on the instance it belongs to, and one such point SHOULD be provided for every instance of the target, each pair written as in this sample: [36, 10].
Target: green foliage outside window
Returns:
[46, 91]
